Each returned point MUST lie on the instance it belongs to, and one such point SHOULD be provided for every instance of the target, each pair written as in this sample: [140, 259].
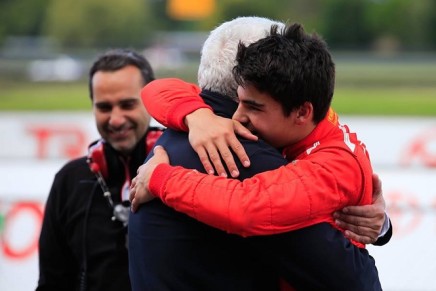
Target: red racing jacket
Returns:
[328, 170]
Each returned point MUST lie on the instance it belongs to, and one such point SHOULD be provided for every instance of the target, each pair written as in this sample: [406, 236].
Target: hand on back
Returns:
[214, 138]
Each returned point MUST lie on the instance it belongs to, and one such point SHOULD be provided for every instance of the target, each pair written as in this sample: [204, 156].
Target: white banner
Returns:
[403, 150]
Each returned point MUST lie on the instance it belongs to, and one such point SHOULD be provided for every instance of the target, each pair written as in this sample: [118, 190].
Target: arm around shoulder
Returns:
[169, 100]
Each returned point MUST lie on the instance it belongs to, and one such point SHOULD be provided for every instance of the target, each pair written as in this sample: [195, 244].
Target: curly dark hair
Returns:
[291, 66]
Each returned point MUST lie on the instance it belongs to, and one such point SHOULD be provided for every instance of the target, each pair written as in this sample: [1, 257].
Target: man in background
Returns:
[83, 243]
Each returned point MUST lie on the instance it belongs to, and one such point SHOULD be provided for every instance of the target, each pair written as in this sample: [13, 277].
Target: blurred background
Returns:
[385, 53]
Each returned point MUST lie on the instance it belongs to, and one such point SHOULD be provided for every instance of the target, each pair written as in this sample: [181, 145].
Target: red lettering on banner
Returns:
[404, 211]
[421, 149]
[73, 140]
[21, 208]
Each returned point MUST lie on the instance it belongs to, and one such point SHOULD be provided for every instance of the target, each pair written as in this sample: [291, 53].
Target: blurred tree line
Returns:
[345, 24]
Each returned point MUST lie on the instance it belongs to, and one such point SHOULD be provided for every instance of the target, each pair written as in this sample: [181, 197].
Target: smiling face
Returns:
[120, 115]
[264, 116]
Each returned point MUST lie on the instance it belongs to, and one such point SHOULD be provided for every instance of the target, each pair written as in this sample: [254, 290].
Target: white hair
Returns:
[218, 55]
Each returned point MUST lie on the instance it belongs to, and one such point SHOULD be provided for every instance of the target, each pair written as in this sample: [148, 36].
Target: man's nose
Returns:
[117, 118]
[240, 116]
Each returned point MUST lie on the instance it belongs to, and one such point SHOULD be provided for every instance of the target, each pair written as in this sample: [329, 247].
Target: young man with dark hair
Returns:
[286, 86]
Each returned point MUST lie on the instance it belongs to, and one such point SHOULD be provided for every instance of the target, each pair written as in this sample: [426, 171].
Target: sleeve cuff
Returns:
[385, 226]
[159, 178]
[179, 113]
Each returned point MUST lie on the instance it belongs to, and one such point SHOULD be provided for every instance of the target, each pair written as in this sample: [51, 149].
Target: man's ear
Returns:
[305, 113]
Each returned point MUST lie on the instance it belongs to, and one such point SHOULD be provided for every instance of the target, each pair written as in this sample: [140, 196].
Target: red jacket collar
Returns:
[324, 130]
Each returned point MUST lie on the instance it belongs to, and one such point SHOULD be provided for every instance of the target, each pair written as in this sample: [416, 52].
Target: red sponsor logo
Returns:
[421, 150]
[406, 212]
[69, 141]
[21, 225]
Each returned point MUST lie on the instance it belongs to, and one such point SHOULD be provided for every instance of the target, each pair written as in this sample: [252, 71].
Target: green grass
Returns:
[363, 87]
[19, 95]
[387, 74]
[34, 96]
[408, 101]
[385, 87]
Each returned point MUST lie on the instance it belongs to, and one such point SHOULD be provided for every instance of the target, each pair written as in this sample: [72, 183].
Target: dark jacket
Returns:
[80, 246]
[171, 251]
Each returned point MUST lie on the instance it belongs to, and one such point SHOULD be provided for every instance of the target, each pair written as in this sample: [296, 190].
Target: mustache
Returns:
[123, 127]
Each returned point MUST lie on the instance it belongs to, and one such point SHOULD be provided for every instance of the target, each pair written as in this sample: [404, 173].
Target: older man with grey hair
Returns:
[169, 250]
[296, 264]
